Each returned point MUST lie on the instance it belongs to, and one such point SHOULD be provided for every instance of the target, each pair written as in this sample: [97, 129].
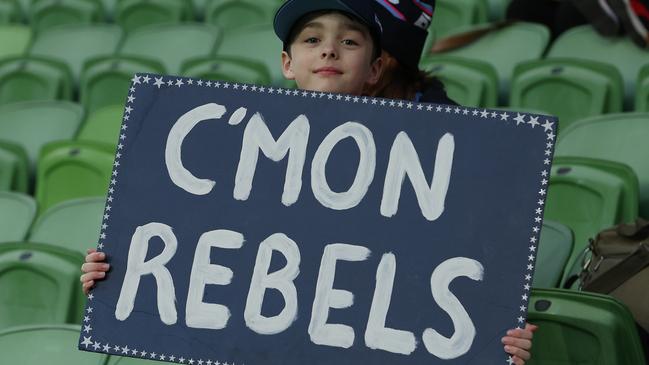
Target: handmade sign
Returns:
[258, 225]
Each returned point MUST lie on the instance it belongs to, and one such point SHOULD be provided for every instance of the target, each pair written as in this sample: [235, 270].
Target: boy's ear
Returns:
[286, 66]
[376, 69]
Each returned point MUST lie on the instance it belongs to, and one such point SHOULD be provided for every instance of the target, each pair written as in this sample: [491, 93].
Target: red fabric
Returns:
[640, 9]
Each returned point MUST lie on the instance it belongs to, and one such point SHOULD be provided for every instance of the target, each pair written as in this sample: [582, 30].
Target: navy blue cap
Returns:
[292, 10]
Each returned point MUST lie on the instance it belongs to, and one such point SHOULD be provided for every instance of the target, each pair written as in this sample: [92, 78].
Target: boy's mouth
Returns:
[328, 71]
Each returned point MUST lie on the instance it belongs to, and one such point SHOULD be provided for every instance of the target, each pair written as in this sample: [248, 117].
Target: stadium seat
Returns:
[103, 125]
[226, 68]
[76, 44]
[105, 80]
[171, 45]
[30, 78]
[16, 158]
[554, 250]
[616, 137]
[530, 41]
[589, 195]
[72, 169]
[497, 9]
[46, 344]
[17, 212]
[135, 14]
[232, 14]
[9, 12]
[584, 43]
[73, 224]
[46, 14]
[14, 40]
[468, 82]
[451, 15]
[582, 328]
[642, 94]
[568, 89]
[39, 284]
[8, 168]
[266, 50]
[33, 124]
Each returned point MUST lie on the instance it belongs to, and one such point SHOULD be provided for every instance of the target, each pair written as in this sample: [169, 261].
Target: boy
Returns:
[329, 46]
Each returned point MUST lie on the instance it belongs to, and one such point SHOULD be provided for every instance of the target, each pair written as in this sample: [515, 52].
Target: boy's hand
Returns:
[518, 343]
[93, 269]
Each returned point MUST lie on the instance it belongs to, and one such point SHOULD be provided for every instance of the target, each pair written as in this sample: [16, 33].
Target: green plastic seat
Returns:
[529, 40]
[642, 94]
[76, 44]
[468, 82]
[15, 158]
[554, 250]
[226, 68]
[135, 14]
[33, 124]
[266, 50]
[171, 45]
[30, 78]
[9, 12]
[39, 284]
[46, 14]
[73, 224]
[14, 40]
[582, 328]
[568, 88]
[17, 211]
[105, 81]
[586, 44]
[72, 169]
[103, 125]
[232, 14]
[31, 345]
[589, 195]
[497, 9]
[453, 14]
[615, 137]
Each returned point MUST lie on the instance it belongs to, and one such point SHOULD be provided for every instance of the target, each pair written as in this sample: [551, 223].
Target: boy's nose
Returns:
[329, 51]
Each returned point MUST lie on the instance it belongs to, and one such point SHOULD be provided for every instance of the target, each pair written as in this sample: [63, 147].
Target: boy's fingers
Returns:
[520, 333]
[90, 250]
[515, 351]
[95, 257]
[517, 342]
[87, 285]
[94, 275]
[94, 266]
[518, 360]
[531, 327]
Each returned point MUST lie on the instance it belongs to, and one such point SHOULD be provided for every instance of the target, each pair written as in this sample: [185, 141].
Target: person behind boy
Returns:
[329, 46]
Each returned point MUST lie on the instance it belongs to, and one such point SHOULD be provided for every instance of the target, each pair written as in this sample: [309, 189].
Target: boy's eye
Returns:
[349, 42]
[311, 40]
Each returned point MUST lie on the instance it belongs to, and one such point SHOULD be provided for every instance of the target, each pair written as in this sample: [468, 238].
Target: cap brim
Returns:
[291, 11]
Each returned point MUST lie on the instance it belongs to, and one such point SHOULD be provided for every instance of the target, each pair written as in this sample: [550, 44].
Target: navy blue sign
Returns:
[256, 225]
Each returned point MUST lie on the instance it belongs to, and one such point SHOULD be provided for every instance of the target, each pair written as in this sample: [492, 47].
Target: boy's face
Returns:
[332, 53]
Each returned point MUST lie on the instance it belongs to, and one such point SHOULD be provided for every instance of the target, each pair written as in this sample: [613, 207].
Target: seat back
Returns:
[73, 224]
[39, 284]
[582, 328]
[17, 211]
[232, 14]
[227, 68]
[642, 94]
[16, 158]
[451, 15]
[14, 39]
[554, 250]
[103, 125]
[47, 14]
[25, 79]
[134, 14]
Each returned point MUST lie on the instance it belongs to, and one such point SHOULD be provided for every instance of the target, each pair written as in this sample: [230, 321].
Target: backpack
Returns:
[619, 266]
[616, 17]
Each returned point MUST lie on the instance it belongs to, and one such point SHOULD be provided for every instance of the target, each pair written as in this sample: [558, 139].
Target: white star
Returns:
[170, 83]
[348, 98]
[532, 248]
[339, 97]
[544, 182]
[126, 117]
[162, 357]
[236, 87]
[125, 349]
[530, 267]
[527, 286]
[548, 152]
[120, 146]
[146, 79]
[132, 89]
[91, 296]
[510, 360]
[528, 277]
[519, 118]
[191, 361]
[523, 308]
[484, 114]
[158, 82]
[365, 100]
[314, 94]
[494, 114]
[179, 82]
[101, 246]
[271, 90]
[547, 126]
[209, 362]
[551, 136]
[374, 101]
[474, 112]
[542, 191]
[321, 95]
[131, 98]
[143, 353]
[304, 94]
[87, 328]
[420, 107]
[134, 352]
[128, 109]
[400, 104]
[383, 102]
[330, 96]
[535, 229]
[136, 79]
[538, 211]
[116, 348]
[190, 82]
[200, 362]
[182, 360]
[521, 319]
[438, 108]
[392, 103]
[465, 111]
[208, 84]
[86, 319]
[89, 310]
[87, 341]
[457, 110]
[106, 216]
[356, 99]
[544, 173]
[152, 355]
[111, 190]
[96, 346]
[409, 105]
[448, 109]
[106, 347]
[296, 92]
[430, 108]
[172, 358]
[534, 121]
[504, 116]
[524, 297]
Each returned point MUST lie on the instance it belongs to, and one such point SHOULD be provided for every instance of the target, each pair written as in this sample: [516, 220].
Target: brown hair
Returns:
[400, 82]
